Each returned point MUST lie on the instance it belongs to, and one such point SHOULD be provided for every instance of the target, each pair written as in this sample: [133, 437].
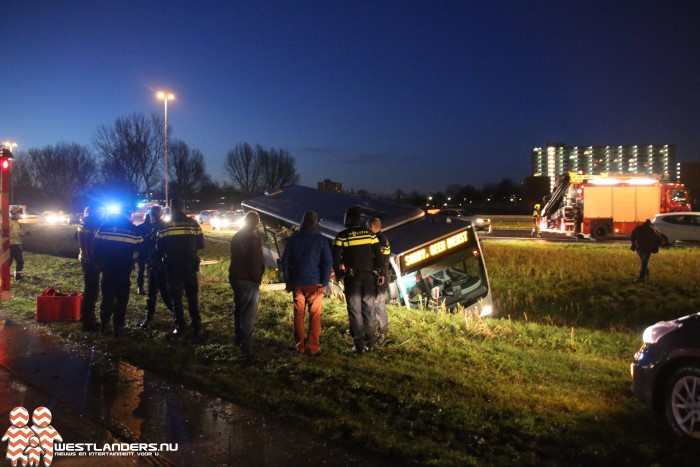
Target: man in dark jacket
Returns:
[113, 249]
[357, 261]
[306, 266]
[177, 243]
[645, 241]
[85, 235]
[157, 278]
[375, 225]
[245, 276]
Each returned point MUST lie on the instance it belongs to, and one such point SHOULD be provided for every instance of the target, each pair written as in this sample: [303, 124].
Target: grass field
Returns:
[546, 382]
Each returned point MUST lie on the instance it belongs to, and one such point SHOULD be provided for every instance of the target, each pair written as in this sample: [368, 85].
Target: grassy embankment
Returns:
[546, 383]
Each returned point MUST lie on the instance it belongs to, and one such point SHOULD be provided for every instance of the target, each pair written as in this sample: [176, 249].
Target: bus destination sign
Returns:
[437, 248]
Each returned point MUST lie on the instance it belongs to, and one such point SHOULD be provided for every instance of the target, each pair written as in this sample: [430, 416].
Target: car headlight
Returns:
[479, 221]
[652, 334]
[167, 217]
[240, 222]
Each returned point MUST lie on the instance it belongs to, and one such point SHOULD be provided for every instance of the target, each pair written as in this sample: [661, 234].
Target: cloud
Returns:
[318, 150]
[363, 159]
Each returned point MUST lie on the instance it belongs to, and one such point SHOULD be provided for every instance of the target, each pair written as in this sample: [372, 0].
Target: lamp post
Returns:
[11, 146]
[165, 97]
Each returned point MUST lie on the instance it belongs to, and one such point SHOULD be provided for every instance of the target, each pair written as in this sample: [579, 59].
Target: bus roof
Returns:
[406, 227]
[290, 203]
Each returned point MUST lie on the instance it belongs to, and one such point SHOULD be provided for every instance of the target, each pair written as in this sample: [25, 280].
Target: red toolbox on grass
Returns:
[55, 306]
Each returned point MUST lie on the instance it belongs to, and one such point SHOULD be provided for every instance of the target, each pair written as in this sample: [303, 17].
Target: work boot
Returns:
[18, 275]
[381, 339]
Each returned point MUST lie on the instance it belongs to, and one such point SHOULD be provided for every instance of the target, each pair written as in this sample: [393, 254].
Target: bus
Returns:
[436, 261]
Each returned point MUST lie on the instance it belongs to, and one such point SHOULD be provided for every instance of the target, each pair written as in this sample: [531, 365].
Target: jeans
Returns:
[380, 312]
[246, 299]
[644, 269]
[359, 295]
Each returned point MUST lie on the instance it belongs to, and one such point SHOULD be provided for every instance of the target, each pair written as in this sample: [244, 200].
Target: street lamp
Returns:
[165, 98]
[11, 145]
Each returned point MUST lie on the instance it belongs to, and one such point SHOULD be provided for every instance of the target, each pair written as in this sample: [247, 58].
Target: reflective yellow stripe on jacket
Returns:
[123, 237]
[180, 230]
[356, 240]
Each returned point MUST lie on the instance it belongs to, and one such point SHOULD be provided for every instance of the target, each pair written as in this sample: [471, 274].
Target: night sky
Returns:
[380, 95]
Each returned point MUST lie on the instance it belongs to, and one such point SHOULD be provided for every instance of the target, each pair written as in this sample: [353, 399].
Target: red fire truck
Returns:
[610, 204]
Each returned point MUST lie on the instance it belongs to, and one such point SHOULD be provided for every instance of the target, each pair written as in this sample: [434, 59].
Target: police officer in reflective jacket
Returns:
[85, 235]
[157, 277]
[357, 261]
[113, 249]
[177, 244]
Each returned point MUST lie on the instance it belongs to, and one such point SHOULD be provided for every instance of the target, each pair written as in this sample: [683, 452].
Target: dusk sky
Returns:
[380, 95]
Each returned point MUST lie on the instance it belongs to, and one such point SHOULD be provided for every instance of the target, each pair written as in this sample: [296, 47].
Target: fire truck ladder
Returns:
[557, 197]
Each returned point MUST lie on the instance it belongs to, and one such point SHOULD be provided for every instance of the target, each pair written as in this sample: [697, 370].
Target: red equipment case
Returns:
[54, 306]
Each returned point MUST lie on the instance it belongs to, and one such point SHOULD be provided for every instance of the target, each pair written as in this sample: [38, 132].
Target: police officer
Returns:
[177, 243]
[375, 225]
[91, 274]
[157, 278]
[356, 254]
[114, 247]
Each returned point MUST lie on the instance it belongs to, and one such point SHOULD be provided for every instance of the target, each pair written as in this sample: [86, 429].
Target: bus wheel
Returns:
[601, 232]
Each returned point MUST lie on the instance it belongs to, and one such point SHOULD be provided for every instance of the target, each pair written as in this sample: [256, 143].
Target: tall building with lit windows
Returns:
[556, 159]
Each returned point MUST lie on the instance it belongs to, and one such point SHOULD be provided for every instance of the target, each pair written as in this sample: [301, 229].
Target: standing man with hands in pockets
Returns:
[306, 264]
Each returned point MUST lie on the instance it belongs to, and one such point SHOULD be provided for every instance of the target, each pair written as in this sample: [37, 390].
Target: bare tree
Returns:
[130, 152]
[61, 173]
[186, 170]
[243, 167]
[277, 169]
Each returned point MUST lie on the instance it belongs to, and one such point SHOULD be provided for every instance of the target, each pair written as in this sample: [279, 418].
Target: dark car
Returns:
[666, 374]
[481, 223]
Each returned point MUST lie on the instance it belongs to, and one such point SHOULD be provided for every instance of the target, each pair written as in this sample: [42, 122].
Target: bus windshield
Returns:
[455, 279]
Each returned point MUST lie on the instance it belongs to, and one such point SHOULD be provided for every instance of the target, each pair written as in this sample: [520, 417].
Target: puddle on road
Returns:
[140, 406]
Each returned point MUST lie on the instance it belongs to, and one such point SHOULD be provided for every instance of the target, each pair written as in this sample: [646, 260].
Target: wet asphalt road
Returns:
[94, 399]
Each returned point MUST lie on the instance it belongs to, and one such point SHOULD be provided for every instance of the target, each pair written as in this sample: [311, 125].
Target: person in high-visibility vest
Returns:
[536, 217]
[16, 235]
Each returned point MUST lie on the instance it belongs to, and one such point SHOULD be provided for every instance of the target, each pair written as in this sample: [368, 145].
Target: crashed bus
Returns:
[436, 261]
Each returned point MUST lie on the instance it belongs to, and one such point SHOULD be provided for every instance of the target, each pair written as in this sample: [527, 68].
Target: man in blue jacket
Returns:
[306, 264]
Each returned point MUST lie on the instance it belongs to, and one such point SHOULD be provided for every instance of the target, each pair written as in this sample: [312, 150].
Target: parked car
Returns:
[205, 217]
[678, 226]
[666, 374]
[481, 223]
[238, 216]
[75, 218]
[54, 217]
[228, 220]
